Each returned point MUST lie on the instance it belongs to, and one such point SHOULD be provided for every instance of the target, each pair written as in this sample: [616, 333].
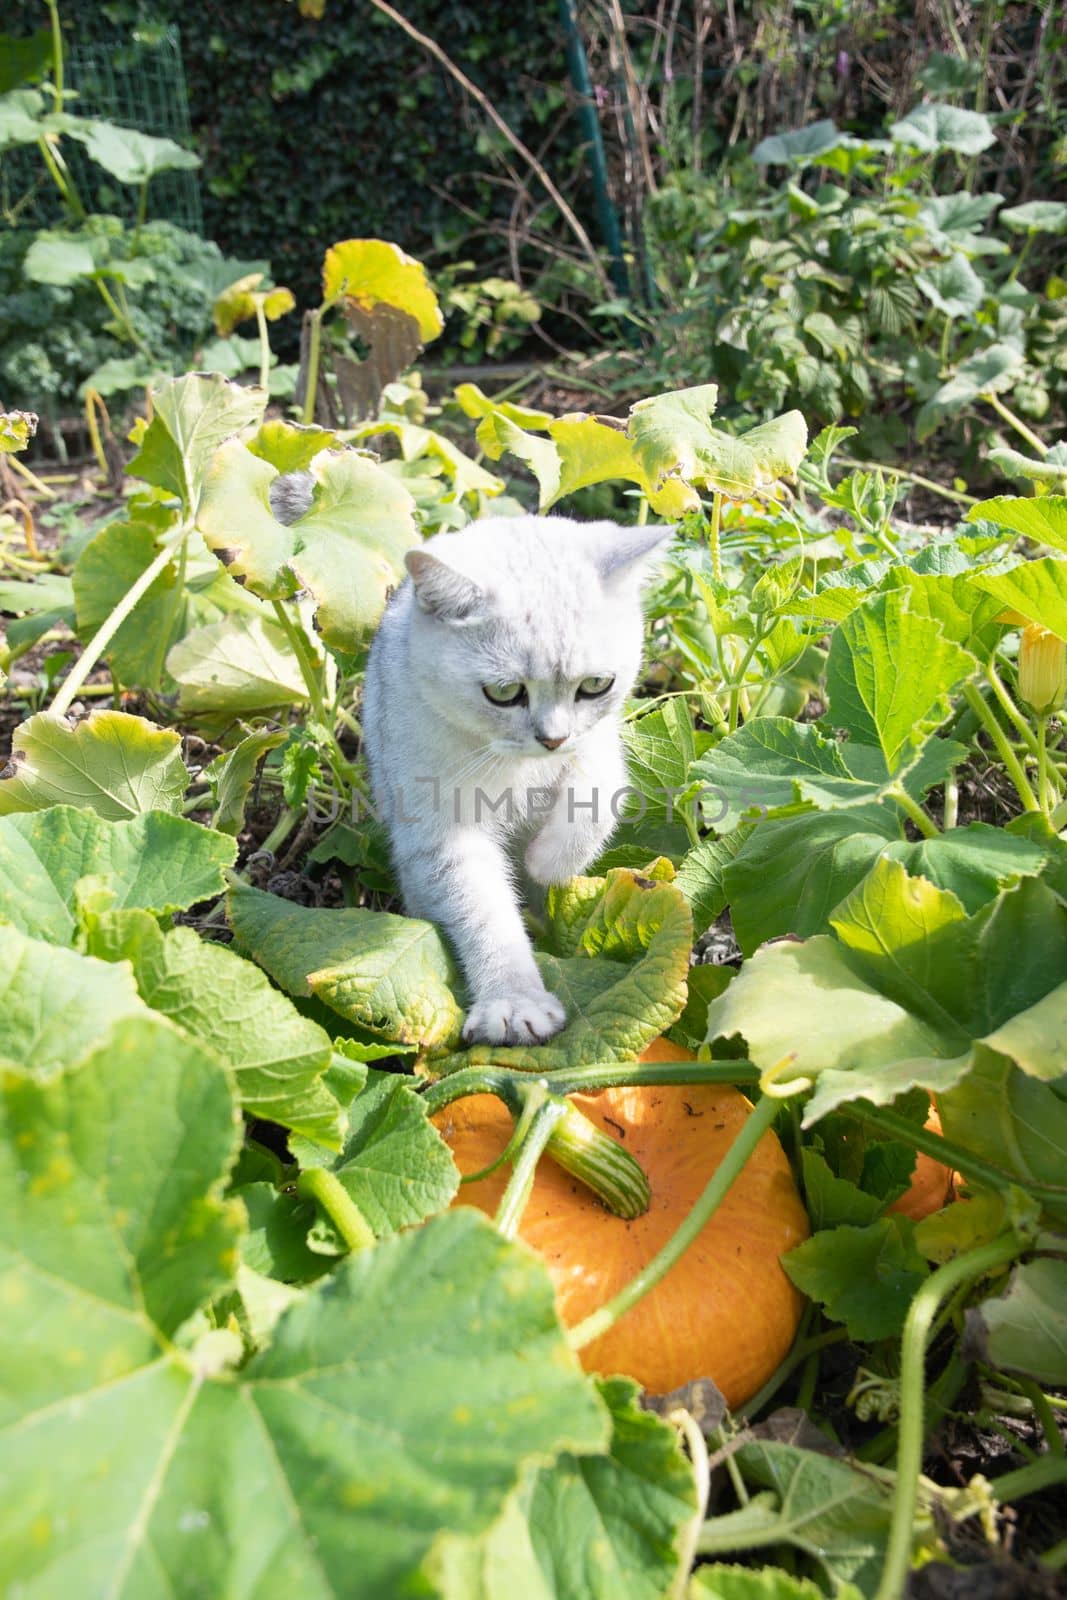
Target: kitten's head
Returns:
[527, 631]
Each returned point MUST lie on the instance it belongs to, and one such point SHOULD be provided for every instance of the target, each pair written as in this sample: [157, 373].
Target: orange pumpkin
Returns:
[932, 1185]
[726, 1310]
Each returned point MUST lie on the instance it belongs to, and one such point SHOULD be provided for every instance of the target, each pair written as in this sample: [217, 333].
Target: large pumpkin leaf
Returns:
[598, 1527]
[278, 1057]
[191, 416]
[890, 675]
[1025, 1329]
[115, 764]
[372, 272]
[235, 666]
[930, 128]
[154, 862]
[901, 992]
[617, 958]
[373, 1422]
[392, 975]
[56, 1003]
[1036, 589]
[1013, 1120]
[674, 439]
[581, 449]
[1044, 520]
[347, 549]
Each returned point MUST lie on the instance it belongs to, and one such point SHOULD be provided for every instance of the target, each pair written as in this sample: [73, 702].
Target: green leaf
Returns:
[1037, 216]
[191, 418]
[595, 1527]
[953, 287]
[890, 676]
[56, 1004]
[901, 994]
[232, 775]
[864, 1277]
[1036, 589]
[799, 145]
[394, 1164]
[278, 1057]
[789, 874]
[234, 667]
[989, 371]
[276, 1243]
[930, 128]
[128, 1448]
[115, 764]
[1043, 520]
[371, 273]
[474, 403]
[702, 876]
[26, 58]
[660, 749]
[580, 450]
[392, 975]
[721, 1582]
[620, 955]
[58, 259]
[836, 1514]
[115, 1233]
[973, 863]
[832, 1201]
[1014, 1121]
[129, 155]
[106, 569]
[347, 549]
[954, 221]
[674, 439]
[154, 862]
[1025, 1329]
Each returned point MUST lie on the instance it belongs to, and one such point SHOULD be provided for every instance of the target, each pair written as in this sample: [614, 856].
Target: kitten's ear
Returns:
[625, 555]
[441, 590]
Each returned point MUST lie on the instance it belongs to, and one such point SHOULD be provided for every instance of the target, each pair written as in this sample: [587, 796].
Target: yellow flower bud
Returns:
[1042, 669]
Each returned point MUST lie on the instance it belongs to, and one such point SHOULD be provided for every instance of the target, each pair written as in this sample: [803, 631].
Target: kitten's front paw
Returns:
[514, 1019]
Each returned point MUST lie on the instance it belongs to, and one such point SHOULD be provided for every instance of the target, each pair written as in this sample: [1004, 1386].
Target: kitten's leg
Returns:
[582, 817]
[462, 884]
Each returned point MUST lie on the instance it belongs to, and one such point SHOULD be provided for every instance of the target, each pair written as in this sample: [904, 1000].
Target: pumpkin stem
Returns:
[317, 1184]
[616, 1178]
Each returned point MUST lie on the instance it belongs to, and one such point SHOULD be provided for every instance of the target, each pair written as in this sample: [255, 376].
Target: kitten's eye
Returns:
[594, 688]
[505, 694]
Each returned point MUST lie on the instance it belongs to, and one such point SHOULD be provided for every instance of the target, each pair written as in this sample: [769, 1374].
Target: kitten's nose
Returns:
[551, 744]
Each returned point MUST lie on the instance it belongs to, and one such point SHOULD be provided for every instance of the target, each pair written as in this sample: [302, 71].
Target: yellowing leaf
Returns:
[373, 272]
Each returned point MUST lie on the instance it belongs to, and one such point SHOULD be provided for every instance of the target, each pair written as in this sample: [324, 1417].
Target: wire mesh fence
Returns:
[138, 81]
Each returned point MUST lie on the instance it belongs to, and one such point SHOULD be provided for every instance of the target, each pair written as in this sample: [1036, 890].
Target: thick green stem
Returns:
[973, 696]
[311, 382]
[112, 623]
[308, 671]
[965, 1268]
[714, 536]
[327, 1190]
[1045, 785]
[1044, 1473]
[508, 1083]
[1015, 422]
[1010, 709]
[513, 1202]
[615, 1176]
[142, 210]
[600, 1321]
[264, 344]
[914, 811]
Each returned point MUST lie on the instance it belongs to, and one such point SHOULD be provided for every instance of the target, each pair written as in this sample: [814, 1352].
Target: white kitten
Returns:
[490, 718]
